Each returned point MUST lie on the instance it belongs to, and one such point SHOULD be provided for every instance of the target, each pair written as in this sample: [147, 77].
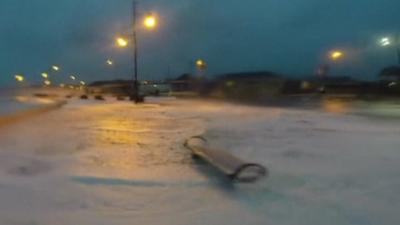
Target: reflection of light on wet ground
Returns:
[335, 106]
[22, 99]
[44, 101]
[30, 100]
[114, 131]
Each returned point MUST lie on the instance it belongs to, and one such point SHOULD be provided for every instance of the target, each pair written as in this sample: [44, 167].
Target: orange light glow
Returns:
[121, 42]
[335, 106]
[336, 55]
[19, 78]
[150, 21]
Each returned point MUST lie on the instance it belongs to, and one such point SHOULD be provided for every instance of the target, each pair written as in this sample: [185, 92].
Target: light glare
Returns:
[150, 21]
[335, 55]
[19, 78]
[385, 42]
[121, 42]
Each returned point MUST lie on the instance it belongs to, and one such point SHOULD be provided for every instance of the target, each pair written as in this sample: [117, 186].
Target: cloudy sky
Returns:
[290, 37]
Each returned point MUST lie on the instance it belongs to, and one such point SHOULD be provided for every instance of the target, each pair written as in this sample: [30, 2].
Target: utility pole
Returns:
[135, 94]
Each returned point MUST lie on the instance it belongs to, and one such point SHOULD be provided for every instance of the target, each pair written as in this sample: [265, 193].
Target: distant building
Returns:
[332, 85]
[185, 82]
[390, 74]
[113, 87]
[390, 80]
[248, 85]
[125, 88]
[343, 85]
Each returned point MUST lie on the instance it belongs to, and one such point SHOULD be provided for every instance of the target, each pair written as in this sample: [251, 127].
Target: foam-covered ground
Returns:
[118, 163]
[16, 100]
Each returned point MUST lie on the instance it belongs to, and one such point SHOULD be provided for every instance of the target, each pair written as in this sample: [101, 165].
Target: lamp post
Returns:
[55, 68]
[333, 57]
[150, 22]
[135, 94]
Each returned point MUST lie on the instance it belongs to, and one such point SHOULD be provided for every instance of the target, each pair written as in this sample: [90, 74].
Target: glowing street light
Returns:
[45, 75]
[55, 68]
[150, 21]
[72, 77]
[201, 64]
[385, 41]
[392, 41]
[121, 42]
[19, 78]
[110, 62]
[82, 83]
[336, 55]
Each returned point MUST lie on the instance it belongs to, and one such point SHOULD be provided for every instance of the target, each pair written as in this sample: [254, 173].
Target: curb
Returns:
[35, 111]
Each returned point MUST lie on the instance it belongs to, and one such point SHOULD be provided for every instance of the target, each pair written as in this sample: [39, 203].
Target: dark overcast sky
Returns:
[290, 37]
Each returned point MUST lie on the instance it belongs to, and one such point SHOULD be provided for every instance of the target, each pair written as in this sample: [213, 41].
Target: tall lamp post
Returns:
[149, 22]
[333, 56]
[135, 95]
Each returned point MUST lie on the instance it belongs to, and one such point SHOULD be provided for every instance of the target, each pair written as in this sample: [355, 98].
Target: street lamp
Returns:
[55, 68]
[45, 75]
[201, 64]
[333, 56]
[387, 41]
[72, 77]
[150, 21]
[109, 62]
[336, 55]
[121, 42]
[19, 78]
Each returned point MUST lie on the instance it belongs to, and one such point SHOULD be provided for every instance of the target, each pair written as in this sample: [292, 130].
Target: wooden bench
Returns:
[234, 168]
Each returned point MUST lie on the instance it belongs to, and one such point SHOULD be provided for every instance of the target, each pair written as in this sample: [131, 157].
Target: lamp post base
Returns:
[136, 98]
